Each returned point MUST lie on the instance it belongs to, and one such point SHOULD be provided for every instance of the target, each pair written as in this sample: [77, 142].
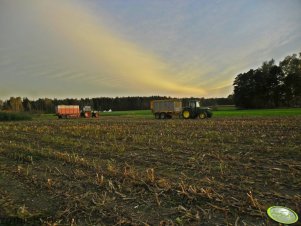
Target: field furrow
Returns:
[132, 171]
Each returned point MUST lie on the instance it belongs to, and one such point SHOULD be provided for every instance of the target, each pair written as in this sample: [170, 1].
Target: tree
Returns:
[15, 104]
[26, 104]
[291, 67]
[48, 105]
[270, 85]
[276, 81]
[245, 89]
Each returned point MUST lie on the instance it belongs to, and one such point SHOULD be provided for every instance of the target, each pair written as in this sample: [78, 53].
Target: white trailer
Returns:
[163, 109]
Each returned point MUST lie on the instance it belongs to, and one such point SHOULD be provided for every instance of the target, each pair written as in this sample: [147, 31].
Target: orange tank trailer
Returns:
[67, 111]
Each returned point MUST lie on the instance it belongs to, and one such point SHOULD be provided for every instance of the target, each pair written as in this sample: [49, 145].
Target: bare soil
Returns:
[133, 171]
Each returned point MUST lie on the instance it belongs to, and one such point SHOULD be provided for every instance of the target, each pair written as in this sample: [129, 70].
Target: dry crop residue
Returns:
[127, 171]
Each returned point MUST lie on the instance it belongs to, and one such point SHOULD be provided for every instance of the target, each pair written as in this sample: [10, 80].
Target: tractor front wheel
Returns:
[186, 114]
[202, 115]
[157, 116]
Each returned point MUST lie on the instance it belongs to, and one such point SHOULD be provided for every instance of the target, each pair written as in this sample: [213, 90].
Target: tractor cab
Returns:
[193, 104]
[194, 110]
[87, 112]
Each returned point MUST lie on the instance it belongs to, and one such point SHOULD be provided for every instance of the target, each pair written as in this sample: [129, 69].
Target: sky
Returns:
[178, 48]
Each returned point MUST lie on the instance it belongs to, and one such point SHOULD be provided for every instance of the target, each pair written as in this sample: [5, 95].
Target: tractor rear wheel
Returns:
[157, 116]
[186, 114]
[202, 115]
[162, 115]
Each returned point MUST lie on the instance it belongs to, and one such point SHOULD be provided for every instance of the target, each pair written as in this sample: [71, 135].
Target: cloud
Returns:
[184, 48]
[68, 44]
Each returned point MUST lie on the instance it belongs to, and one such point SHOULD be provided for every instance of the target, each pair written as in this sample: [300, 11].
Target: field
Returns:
[223, 111]
[142, 171]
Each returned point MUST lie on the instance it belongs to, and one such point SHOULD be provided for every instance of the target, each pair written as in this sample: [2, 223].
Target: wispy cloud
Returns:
[209, 43]
[178, 48]
[94, 55]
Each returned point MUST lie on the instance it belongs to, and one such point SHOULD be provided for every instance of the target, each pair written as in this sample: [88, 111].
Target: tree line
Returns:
[271, 85]
[47, 105]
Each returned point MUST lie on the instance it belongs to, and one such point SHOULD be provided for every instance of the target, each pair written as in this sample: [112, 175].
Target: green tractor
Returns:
[194, 110]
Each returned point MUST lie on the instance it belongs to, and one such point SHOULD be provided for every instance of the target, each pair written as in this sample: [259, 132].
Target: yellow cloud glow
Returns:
[100, 53]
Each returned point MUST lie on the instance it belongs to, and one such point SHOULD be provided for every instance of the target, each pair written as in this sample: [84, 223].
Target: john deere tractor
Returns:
[194, 110]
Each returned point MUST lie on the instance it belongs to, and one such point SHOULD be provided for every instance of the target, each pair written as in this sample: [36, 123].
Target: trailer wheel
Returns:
[202, 115]
[157, 116]
[162, 115]
[186, 114]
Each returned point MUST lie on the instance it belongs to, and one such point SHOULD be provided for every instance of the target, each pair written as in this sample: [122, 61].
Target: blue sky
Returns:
[139, 47]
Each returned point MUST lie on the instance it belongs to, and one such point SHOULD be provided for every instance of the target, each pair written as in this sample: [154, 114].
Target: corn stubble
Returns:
[127, 171]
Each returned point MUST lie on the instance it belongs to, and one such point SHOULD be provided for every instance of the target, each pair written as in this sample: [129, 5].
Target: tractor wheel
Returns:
[186, 114]
[162, 115]
[157, 116]
[209, 115]
[202, 115]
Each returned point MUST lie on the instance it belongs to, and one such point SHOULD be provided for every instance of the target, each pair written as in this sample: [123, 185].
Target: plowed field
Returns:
[131, 171]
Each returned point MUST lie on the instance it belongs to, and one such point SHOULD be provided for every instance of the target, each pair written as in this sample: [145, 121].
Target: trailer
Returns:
[67, 111]
[166, 109]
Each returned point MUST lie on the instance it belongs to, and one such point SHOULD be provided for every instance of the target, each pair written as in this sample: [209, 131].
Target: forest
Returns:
[271, 85]
[47, 105]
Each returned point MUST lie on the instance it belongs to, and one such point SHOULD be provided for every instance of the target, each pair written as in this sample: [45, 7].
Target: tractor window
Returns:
[197, 104]
[192, 104]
